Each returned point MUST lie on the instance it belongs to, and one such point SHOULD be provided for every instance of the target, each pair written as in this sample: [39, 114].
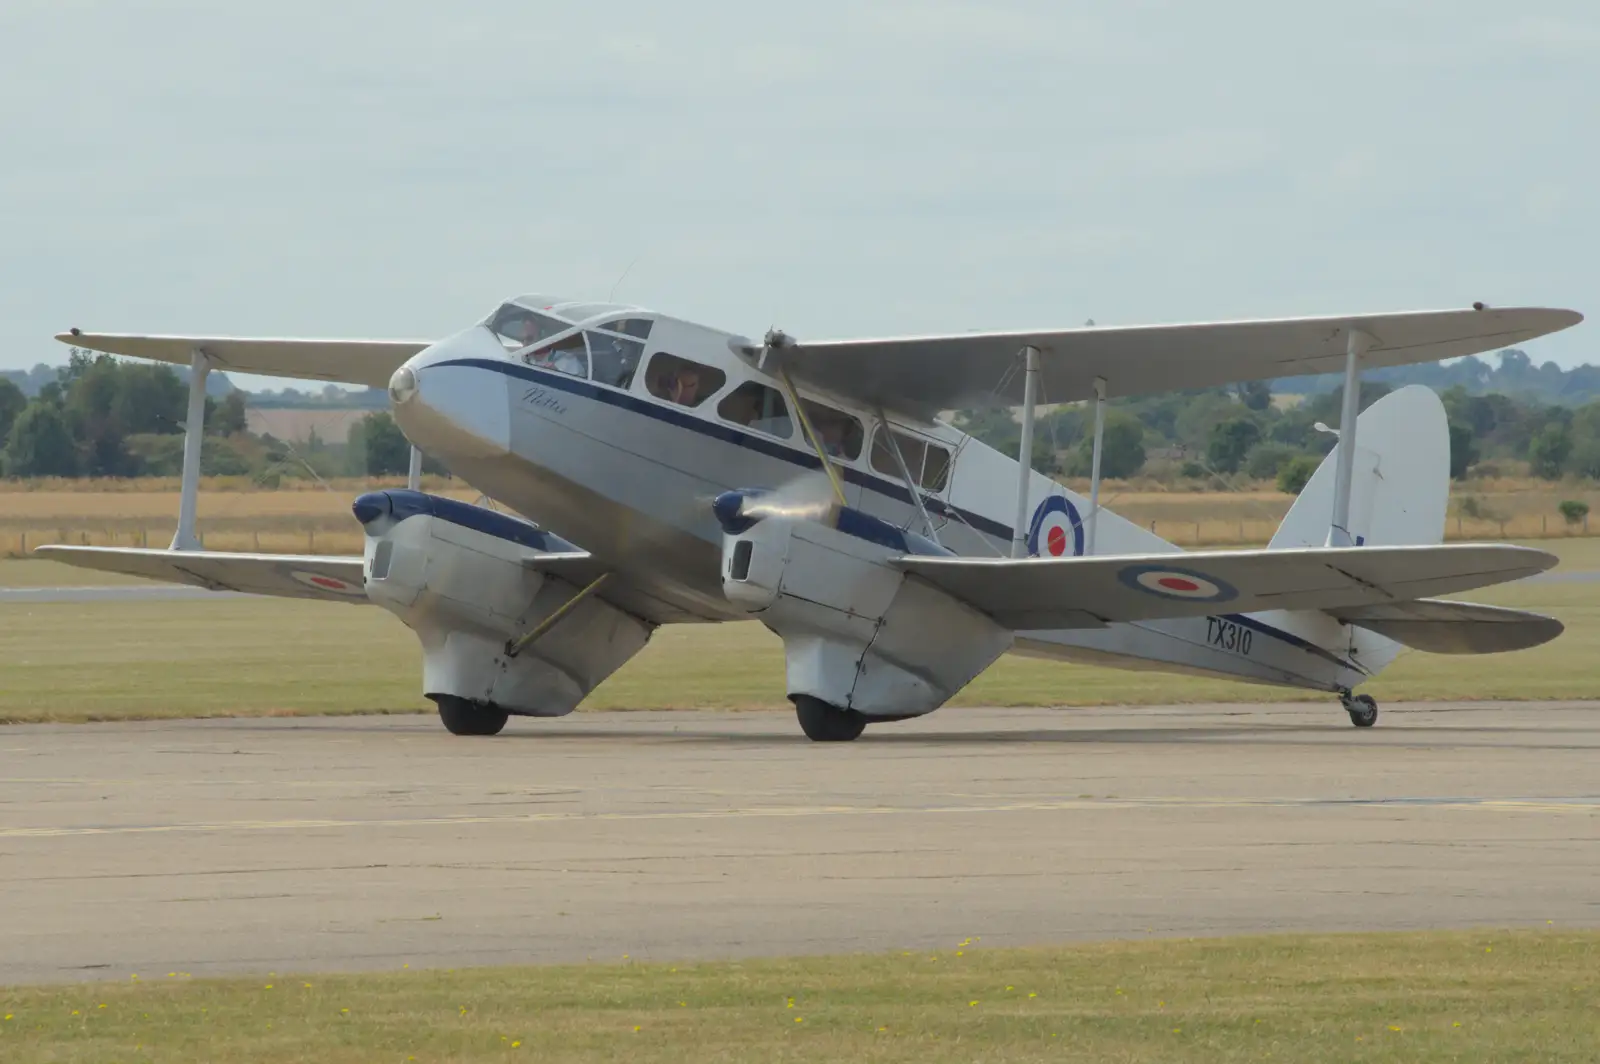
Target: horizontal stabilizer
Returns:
[369, 362]
[1036, 593]
[312, 576]
[1441, 627]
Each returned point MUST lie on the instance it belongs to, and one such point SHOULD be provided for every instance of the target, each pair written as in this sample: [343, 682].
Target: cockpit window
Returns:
[677, 380]
[839, 433]
[567, 355]
[614, 358]
[638, 328]
[757, 407]
[518, 327]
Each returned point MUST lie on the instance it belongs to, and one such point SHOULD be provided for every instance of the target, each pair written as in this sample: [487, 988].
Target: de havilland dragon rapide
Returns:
[645, 470]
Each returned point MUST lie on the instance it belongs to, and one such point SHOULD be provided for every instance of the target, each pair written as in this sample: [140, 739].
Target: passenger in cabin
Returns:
[563, 357]
[830, 432]
[683, 387]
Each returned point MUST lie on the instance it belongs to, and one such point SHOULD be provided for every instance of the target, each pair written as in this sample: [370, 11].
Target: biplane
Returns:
[647, 470]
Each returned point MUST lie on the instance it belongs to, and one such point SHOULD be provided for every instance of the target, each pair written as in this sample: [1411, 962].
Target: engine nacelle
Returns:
[456, 575]
[857, 632]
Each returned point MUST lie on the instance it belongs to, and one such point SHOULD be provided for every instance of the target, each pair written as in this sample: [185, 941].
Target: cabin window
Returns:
[928, 462]
[614, 359]
[518, 327]
[757, 407]
[567, 356]
[638, 328]
[839, 434]
[678, 380]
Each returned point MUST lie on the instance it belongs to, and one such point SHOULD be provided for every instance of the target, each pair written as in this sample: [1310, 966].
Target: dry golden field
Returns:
[304, 516]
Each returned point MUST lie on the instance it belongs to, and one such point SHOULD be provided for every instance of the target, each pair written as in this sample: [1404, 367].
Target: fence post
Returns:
[1197, 533]
[25, 537]
[255, 538]
[311, 541]
[1502, 530]
[1544, 523]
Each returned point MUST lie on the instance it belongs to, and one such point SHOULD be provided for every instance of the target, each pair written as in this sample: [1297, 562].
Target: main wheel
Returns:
[1363, 711]
[823, 723]
[462, 716]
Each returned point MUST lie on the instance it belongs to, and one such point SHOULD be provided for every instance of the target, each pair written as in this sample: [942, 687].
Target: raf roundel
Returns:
[324, 582]
[1056, 530]
[1174, 583]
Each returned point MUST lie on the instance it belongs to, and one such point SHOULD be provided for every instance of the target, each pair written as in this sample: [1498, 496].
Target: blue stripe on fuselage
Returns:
[673, 415]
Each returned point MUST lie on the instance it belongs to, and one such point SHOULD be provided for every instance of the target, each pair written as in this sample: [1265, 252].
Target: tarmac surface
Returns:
[355, 843]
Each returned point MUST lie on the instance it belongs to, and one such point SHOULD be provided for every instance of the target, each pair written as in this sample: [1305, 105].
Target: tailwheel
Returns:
[1363, 710]
[462, 716]
[823, 723]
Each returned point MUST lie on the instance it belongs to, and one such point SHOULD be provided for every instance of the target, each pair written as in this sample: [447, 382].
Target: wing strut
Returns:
[905, 472]
[1030, 399]
[194, 430]
[414, 470]
[1356, 344]
[1094, 466]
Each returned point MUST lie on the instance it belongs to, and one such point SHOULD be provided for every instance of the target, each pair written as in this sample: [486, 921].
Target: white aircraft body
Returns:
[666, 472]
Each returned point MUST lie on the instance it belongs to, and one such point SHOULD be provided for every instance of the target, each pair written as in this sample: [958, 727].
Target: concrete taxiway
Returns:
[350, 843]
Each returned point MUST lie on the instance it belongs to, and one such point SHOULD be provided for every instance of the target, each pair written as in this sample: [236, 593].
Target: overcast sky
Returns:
[836, 168]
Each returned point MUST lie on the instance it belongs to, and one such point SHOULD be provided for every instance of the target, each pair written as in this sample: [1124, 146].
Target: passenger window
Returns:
[680, 381]
[638, 328]
[518, 327]
[929, 463]
[613, 359]
[757, 407]
[839, 434]
[564, 356]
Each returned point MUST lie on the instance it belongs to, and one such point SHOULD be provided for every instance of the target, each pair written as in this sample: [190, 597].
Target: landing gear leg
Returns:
[823, 723]
[462, 716]
[1363, 709]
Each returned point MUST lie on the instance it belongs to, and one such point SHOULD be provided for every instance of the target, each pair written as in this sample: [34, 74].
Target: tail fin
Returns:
[1398, 496]
[1401, 486]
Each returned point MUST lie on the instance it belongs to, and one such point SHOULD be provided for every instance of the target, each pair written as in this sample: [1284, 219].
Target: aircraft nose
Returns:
[452, 400]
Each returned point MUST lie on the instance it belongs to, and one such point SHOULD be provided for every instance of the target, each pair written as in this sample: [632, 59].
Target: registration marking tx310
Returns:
[1229, 635]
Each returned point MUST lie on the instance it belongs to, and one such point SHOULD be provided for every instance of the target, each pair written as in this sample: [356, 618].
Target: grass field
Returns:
[1500, 996]
[224, 657]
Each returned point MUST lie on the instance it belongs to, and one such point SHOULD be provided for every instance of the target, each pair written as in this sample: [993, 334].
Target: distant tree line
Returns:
[1218, 436]
[105, 417]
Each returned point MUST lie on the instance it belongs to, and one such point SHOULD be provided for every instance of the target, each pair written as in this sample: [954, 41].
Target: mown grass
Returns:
[235, 657]
[1500, 996]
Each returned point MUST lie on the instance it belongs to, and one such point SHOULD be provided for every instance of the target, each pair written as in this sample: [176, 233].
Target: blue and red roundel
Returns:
[1056, 530]
[1171, 582]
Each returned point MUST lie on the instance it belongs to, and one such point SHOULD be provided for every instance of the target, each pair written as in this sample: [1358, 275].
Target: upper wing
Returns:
[926, 374]
[1442, 627]
[370, 362]
[1036, 593]
[314, 576]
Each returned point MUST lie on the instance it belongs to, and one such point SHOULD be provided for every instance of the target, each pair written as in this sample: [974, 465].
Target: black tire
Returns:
[463, 716]
[1363, 711]
[823, 723]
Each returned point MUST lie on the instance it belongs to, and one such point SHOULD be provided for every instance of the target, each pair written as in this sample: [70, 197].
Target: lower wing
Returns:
[313, 576]
[1039, 593]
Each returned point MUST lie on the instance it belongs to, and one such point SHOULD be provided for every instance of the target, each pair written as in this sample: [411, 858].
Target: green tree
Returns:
[12, 403]
[40, 443]
[1292, 478]
[1121, 451]
[1229, 441]
[377, 447]
[1463, 449]
[228, 419]
[1256, 395]
[1267, 458]
[1549, 450]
